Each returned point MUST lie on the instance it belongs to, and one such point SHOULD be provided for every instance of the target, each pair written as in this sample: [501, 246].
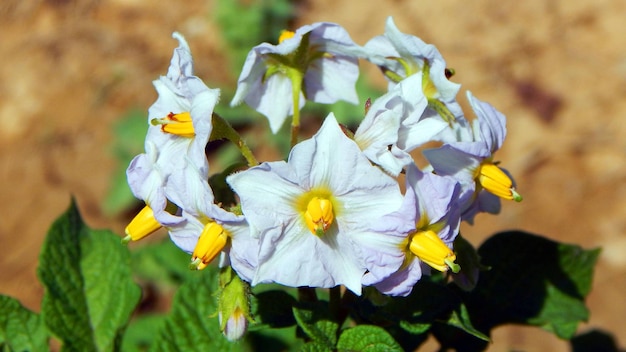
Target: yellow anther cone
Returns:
[494, 180]
[284, 35]
[211, 242]
[142, 225]
[319, 215]
[430, 249]
[177, 124]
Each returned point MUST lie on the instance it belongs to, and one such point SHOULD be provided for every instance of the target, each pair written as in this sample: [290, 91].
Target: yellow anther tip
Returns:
[284, 35]
[516, 196]
[195, 264]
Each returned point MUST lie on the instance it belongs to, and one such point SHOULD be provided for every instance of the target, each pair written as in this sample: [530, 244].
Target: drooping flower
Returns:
[395, 125]
[179, 128]
[472, 163]
[318, 62]
[312, 211]
[401, 55]
[209, 230]
[424, 229]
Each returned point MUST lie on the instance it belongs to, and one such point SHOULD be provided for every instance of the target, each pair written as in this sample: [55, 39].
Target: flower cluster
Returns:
[334, 212]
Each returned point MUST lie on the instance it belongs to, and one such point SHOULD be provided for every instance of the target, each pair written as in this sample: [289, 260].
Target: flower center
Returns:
[211, 242]
[494, 180]
[284, 35]
[319, 215]
[177, 124]
[142, 225]
[430, 249]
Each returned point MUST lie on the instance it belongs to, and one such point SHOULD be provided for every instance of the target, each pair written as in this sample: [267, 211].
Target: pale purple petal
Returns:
[492, 123]
[331, 79]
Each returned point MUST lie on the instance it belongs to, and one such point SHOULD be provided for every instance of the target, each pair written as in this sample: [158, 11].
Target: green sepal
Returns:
[234, 295]
[223, 130]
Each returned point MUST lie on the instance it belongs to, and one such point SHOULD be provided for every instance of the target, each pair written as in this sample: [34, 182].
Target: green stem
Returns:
[222, 129]
[296, 78]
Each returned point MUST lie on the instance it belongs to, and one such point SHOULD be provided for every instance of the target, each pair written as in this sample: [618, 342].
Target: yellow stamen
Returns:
[142, 225]
[319, 215]
[494, 180]
[211, 242]
[178, 124]
[284, 35]
[430, 249]
[428, 86]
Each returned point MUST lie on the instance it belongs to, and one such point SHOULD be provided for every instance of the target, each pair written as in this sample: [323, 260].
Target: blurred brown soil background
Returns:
[71, 69]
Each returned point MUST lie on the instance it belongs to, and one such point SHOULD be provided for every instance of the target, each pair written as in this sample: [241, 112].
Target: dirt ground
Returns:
[72, 68]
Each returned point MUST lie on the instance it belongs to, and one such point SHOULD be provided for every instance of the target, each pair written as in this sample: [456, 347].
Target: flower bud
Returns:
[234, 305]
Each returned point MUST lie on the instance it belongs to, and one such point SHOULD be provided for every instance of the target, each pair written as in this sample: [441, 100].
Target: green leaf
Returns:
[468, 259]
[314, 320]
[534, 281]
[20, 329]
[315, 346]
[429, 301]
[460, 319]
[162, 263]
[192, 324]
[274, 339]
[367, 338]
[89, 293]
[141, 332]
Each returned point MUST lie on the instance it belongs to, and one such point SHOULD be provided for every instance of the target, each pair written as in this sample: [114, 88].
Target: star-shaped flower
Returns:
[312, 212]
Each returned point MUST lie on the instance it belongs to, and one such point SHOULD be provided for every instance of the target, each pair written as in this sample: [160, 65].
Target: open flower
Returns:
[317, 61]
[424, 229]
[401, 55]
[180, 126]
[395, 125]
[312, 211]
[472, 163]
